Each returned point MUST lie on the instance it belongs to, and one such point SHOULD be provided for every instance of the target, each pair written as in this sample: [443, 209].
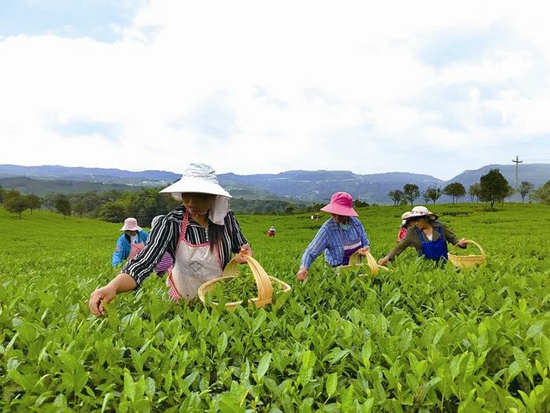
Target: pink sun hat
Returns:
[130, 224]
[341, 203]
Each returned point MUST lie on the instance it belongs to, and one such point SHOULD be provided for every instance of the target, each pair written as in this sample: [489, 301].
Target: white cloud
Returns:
[254, 87]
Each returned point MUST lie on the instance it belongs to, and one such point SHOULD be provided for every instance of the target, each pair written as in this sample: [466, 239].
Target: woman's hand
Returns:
[100, 297]
[245, 251]
[121, 283]
[463, 242]
[383, 261]
[302, 274]
[363, 251]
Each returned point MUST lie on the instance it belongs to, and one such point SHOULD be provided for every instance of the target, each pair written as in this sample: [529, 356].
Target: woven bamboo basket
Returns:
[468, 261]
[264, 283]
[357, 260]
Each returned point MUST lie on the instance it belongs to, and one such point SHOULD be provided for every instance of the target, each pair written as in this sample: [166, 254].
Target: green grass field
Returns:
[417, 338]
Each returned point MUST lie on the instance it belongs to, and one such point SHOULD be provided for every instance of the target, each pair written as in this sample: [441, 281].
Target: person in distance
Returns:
[428, 236]
[201, 235]
[130, 243]
[405, 224]
[271, 232]
[339, 237]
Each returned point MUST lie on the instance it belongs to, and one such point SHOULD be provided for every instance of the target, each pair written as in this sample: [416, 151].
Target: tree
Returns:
[455, 190]
[411, 192]
[473, 191]
[34, 202]
[493, 187]
[525, 189]
[542, 194]
[62, 205]
[396, 196]
[15, 202]
[432, 194]
[113, 211]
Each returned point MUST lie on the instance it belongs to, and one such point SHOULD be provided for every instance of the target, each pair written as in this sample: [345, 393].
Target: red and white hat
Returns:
[422, 211]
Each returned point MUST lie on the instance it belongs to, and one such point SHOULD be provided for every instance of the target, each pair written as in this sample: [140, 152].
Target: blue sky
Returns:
[100, 20]
[263, 87]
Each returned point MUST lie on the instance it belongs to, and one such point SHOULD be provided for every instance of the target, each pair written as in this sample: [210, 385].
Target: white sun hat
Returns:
[405, 216]
[422, 211]
[201, 178]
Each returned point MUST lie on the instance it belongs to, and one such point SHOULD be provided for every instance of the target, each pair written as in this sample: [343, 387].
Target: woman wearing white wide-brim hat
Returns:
[201, 235]
[428, 236]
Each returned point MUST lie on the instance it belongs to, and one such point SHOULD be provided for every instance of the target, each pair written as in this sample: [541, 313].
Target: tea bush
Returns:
[417, 338]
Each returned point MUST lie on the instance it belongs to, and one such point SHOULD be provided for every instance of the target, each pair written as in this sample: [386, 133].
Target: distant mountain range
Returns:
[304, 186]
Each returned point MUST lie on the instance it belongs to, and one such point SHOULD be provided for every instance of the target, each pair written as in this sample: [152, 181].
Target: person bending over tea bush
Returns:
[130, 243]
[339, 237]
[201, 235]
[428, 236]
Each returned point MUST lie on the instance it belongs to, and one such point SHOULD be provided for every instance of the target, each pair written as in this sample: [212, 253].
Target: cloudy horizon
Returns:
[254, 87]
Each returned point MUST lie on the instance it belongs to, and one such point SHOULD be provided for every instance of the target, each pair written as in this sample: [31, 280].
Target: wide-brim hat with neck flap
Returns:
[201, 178]
[422, 211]
[341, 203]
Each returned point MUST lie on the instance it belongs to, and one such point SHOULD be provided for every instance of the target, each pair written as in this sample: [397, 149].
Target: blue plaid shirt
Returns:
[331, 239]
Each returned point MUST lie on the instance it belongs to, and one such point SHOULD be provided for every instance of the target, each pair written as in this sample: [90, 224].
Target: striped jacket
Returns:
[165, 235]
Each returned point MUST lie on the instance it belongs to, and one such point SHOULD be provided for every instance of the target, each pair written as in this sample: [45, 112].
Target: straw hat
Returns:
[422, 211]
[130, 224]
[341, 203]
[201, 178]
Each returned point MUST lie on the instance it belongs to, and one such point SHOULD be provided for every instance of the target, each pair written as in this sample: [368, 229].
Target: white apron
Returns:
[193, 266]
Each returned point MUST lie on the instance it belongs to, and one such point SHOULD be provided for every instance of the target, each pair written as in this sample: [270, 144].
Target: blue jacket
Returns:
[123, 248]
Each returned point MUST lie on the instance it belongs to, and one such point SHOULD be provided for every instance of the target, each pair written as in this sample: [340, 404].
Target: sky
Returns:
[254, 87]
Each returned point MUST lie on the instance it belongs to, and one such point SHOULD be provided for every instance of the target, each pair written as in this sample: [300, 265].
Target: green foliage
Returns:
[474, 190]
[433, 193]
[396, 196]
[525, 189]
[15, 202]
[455, 190]
[411, 192]
[62, 205]
[493, 187]
[419, 338]
[542, 194]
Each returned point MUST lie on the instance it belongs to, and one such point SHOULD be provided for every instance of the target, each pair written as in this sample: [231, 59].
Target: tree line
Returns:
[492, 187]
[144, 205]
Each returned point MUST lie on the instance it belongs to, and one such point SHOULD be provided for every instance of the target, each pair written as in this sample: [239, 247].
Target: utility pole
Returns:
[517, 162]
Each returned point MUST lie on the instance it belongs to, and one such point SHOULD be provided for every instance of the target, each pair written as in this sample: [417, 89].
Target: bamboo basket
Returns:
[356, 260]
[263, 283]
[468, 261]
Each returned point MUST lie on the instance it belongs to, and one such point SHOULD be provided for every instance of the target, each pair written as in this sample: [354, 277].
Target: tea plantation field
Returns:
[415, 339]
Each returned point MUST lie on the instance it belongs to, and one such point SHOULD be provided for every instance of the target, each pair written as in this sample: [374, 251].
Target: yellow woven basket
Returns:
[468, 261]
[356, 260]
[263, 283]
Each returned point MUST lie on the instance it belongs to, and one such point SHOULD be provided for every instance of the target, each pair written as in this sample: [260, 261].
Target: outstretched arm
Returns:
[121, 283]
